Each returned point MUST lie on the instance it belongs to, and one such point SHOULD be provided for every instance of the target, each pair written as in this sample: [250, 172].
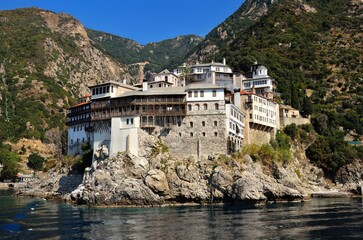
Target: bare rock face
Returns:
[161, 179]
[256, 186]
[157, 182]
[351, 173]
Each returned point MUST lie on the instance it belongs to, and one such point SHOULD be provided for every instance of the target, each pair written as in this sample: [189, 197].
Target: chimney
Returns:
[144, 86]
[224, 61]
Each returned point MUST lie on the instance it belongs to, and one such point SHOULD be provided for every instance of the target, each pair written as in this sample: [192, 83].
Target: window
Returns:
[71, 141]
[111, 89]
[203, 124]
[191, 134]
[127, 121]
[198, 107]
[74, 129]
[159, 84]
[96, 91]
[191, 124]
[189, 107]
[166, 78]
[93, 91]
[205, 106]
[203, 133]
[215, 123]
[131, 121]
[216, 106]
[108, 89]
[195, 93]
[201, 93]
[215, 134]
[214, 93]
[180, 134]
[190, 94]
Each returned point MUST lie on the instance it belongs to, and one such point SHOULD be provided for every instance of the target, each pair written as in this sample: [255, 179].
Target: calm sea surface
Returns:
[29, 218]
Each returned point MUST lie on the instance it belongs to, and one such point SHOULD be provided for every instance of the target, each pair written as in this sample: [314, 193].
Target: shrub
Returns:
[291, 130]
[35, 161]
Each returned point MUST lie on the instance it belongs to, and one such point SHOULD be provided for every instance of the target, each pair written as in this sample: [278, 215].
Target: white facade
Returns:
[258, 81]
[210, 73]
[77, 135]
[124, 135]
[235, 125]
[110, 90]
[196, 94]
[264, 111]
[101, 138]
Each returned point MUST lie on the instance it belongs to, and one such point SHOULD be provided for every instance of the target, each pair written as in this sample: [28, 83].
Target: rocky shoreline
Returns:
[161, 180]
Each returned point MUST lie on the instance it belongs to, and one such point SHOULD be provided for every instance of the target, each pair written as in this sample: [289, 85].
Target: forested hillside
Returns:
[46, 62]
[168, 53]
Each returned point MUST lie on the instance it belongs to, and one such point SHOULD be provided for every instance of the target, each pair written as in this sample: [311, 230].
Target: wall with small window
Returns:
[205, 94]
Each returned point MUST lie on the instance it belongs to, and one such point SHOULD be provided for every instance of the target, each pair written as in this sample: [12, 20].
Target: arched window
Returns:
[189, 107]
[203, 124]
[197, 106]
[191, 124]
[205, 106]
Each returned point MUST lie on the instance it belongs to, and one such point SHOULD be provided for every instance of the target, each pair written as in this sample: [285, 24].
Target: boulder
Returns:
[157, 182]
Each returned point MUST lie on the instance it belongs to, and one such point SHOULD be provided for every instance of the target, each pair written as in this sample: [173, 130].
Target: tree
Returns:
[10, 163]
[35, 161]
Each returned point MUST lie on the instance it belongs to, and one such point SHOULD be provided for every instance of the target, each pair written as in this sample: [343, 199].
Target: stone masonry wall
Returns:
[206, 135]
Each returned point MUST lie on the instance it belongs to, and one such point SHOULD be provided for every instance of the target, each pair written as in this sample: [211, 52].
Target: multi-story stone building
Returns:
[199, 117]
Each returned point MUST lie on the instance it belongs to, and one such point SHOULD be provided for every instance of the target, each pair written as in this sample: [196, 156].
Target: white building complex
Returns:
[201, 108]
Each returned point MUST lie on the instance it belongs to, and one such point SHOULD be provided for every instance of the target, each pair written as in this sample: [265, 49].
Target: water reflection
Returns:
[317, 219]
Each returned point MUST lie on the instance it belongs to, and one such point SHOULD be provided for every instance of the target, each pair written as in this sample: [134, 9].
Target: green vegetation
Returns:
[277, 151]
[159, 148]
[10, 162]
[162, 55]
[36, 162]
[331, 152]
[29, 100]
[85, 160]
[317, 52]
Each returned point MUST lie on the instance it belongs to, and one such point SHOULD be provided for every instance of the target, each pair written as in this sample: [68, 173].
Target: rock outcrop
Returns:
[157, 180]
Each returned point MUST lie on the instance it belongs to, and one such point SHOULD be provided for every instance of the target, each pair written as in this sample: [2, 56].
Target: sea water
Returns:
[33, 218]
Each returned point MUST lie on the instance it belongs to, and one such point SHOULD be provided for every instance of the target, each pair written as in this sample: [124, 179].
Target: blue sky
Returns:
[141, 20]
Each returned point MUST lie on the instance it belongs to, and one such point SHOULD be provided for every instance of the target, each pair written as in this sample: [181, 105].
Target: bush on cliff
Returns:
[35, 161]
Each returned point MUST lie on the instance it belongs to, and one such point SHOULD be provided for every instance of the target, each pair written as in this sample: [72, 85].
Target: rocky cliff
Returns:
[157, 178]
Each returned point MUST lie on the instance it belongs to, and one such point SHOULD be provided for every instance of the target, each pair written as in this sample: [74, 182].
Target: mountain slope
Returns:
[229, 30]
[313, 48]
[164, 54]
[46, 60]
